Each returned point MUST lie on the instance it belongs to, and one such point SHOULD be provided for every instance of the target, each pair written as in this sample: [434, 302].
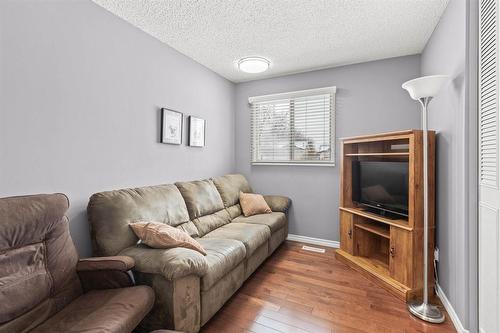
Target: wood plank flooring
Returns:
[305, 292]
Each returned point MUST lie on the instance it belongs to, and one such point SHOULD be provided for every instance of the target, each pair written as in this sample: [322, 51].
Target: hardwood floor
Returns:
[306, 292]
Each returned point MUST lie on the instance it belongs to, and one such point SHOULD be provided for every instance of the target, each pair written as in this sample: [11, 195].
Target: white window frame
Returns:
[297, 94]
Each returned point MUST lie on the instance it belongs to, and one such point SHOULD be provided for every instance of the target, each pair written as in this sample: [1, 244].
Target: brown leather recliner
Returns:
[44, 287]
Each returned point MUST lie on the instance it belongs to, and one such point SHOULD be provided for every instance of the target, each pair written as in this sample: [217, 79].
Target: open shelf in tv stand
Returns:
[376, 217]
[388, 251]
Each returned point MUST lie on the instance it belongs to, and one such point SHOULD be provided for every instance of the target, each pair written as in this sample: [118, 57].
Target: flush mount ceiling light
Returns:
[253, 65]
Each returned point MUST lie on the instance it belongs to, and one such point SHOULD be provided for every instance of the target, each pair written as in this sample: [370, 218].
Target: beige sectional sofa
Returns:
[190, 288]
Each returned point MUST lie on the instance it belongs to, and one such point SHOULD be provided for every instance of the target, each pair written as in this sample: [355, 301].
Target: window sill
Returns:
[329, 164]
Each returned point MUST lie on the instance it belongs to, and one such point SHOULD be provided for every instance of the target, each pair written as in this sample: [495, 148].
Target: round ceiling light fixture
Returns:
[253, 65]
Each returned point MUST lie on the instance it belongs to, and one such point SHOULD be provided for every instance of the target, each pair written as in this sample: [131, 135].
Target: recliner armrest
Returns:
[278, 203]
[105, 272]
[170, 263]
[119, 263]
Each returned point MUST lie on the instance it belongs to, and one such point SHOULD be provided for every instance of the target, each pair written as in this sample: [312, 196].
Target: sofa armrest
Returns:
[105, 272]
[170, 263]
[278, 203]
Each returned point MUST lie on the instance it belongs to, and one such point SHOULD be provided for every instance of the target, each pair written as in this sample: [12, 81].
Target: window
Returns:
[294, 128]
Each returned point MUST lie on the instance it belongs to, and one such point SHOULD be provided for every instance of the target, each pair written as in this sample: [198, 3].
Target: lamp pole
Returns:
[424, 102]
[424, 310]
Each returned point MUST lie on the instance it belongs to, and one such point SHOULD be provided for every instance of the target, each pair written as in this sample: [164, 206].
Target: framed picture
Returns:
[171, 126]
[196, 132]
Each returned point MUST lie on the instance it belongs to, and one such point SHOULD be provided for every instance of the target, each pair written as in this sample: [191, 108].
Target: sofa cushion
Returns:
[109, 310]
[210, 222]
[223, 255]
[274, 220]
[201, 197]
[251, 235]
[230, 186]
[234, 210]
[110, 213]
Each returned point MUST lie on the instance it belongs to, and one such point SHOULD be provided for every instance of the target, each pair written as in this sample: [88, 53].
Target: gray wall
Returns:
[369, 100]
[445, 53]
[80, 93]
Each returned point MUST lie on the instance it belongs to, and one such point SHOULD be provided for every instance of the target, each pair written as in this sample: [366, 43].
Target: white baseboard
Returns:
[314, 241]
[451, 312]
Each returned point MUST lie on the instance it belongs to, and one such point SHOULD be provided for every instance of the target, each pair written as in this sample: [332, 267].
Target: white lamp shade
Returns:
[426, 86]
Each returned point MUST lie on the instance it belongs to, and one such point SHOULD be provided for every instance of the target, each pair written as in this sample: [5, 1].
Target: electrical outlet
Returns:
[436, 254]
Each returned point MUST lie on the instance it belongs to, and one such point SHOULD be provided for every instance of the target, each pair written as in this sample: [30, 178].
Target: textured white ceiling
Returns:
[295, 35]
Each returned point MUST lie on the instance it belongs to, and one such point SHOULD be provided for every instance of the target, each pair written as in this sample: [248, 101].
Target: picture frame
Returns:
[172, 123]
[196, 137]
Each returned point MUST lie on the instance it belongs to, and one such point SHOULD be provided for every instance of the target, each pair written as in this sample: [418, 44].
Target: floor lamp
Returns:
[423, 89]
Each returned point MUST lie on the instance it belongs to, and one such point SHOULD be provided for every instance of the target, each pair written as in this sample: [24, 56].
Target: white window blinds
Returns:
[294, 128]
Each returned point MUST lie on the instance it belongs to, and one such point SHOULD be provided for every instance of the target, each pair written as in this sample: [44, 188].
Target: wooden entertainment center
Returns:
[388, 250]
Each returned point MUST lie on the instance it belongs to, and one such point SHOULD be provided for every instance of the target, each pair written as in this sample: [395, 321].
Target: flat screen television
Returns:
[381, 185]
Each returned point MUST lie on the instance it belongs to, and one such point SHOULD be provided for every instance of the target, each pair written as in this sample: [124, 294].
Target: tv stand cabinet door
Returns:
[346, 232]
[400, 255]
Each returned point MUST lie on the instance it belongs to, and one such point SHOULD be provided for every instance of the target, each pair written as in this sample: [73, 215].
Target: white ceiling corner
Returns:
[295, 35]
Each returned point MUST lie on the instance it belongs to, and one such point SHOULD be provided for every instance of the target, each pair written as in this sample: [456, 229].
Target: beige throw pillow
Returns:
[252, 204]
[162, 236]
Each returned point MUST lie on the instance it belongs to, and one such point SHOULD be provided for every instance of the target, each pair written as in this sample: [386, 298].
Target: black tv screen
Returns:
[381, 185]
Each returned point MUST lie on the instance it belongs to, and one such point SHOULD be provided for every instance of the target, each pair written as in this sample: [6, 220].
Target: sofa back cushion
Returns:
[230, 186]
[210, 222]
[110, 213]
[37, 260]
[204, 205]
[201, 197]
